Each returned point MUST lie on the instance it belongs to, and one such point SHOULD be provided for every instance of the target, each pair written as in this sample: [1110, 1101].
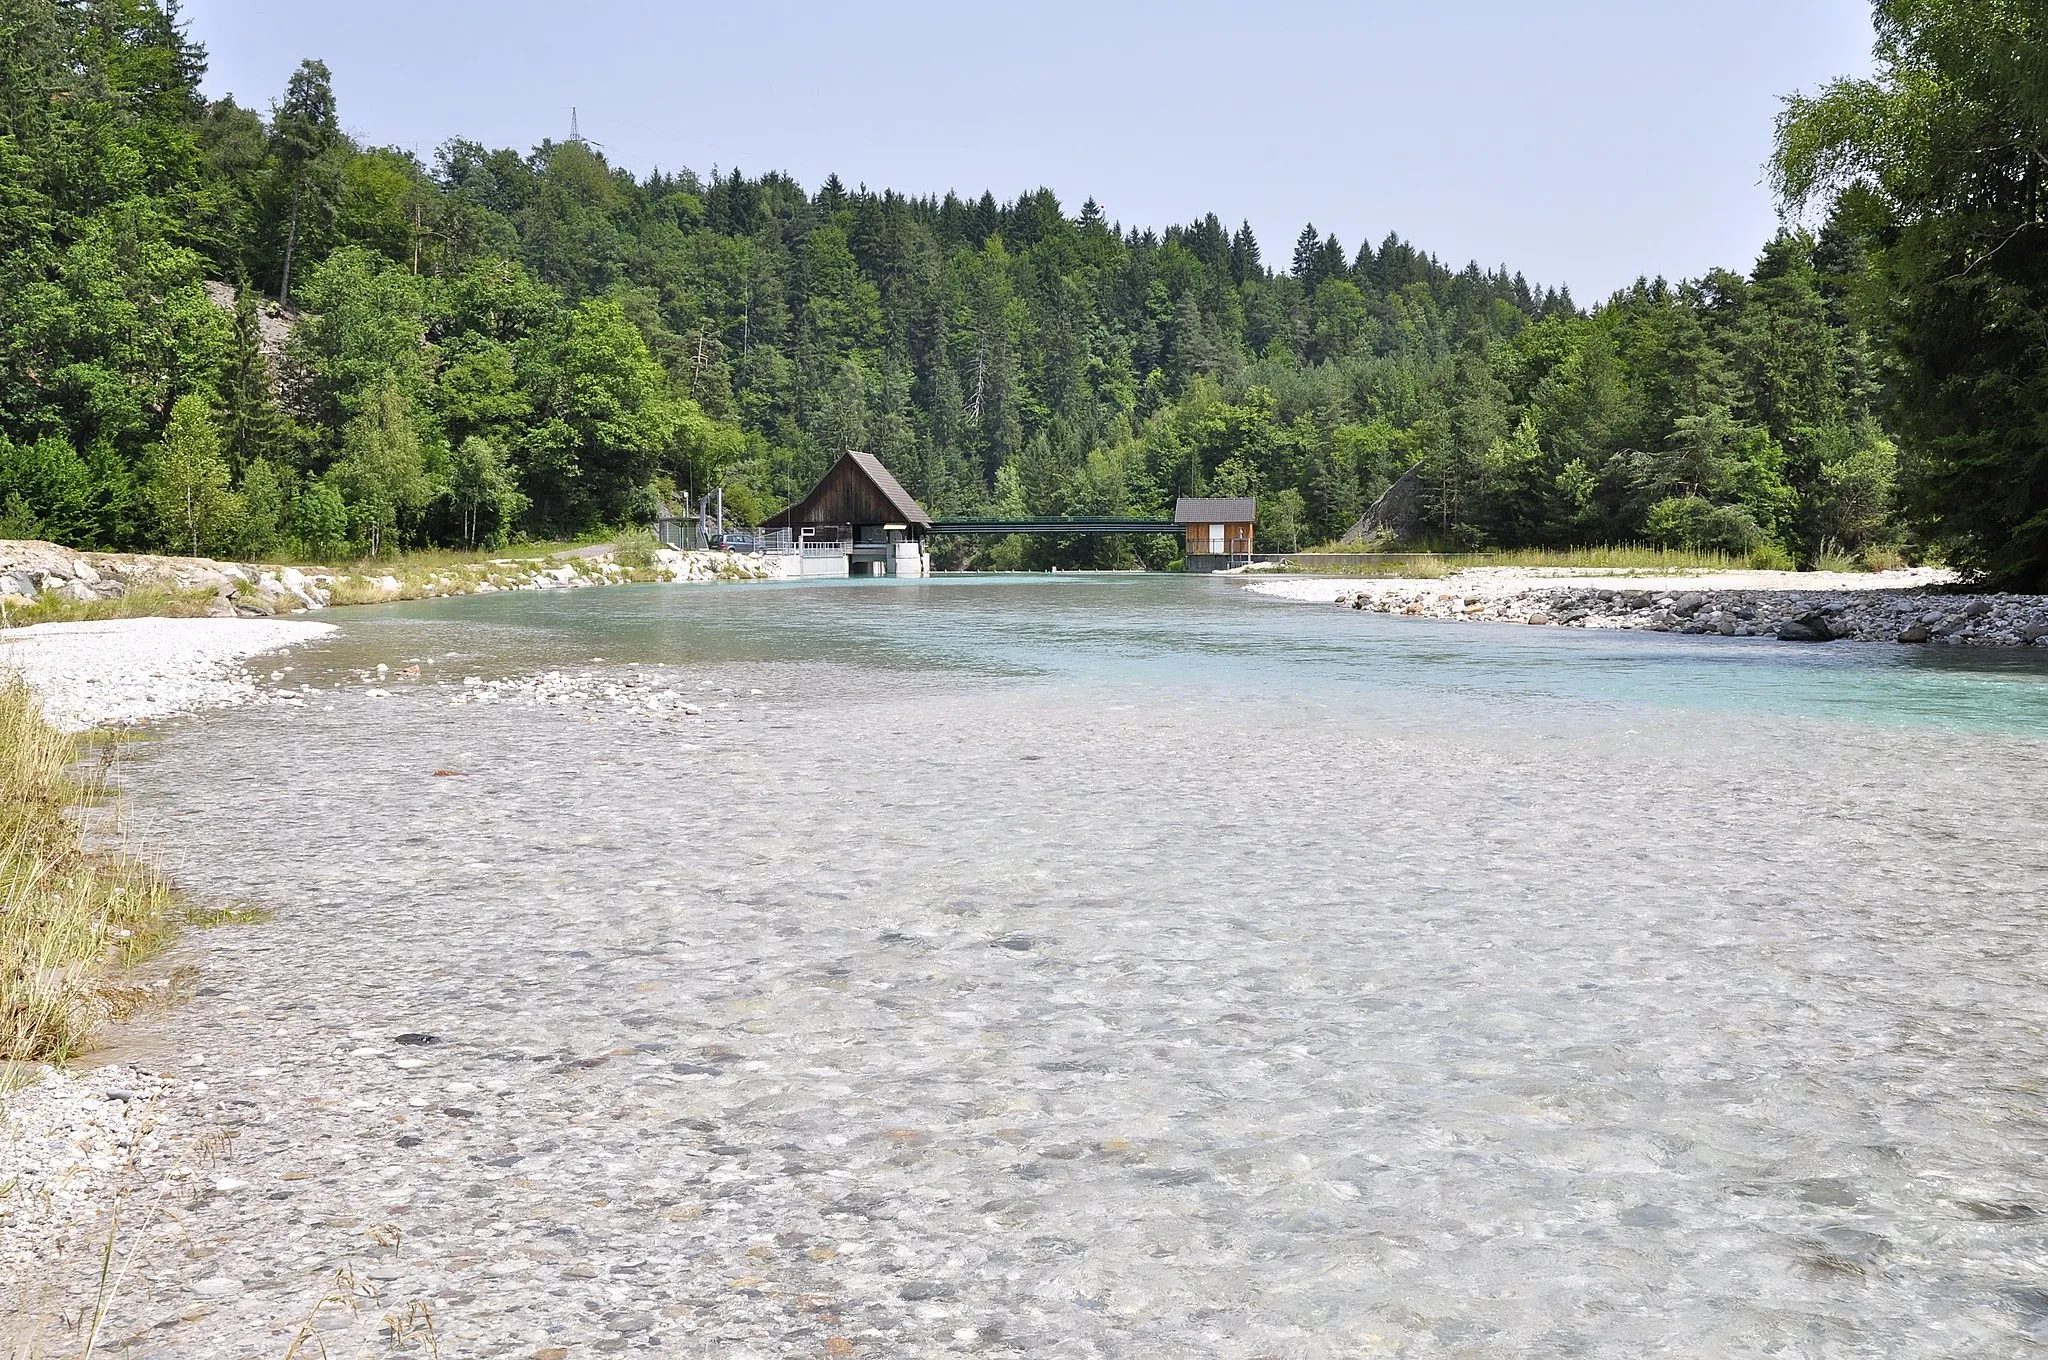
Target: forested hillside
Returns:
[504, 343]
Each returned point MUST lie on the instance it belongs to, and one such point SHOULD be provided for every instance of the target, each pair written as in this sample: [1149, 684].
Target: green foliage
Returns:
[1858, 475]
[484, 487]
[304, 130]
[187, 483]
[49, 492]
[1697, 523]
[320, 520]
[604, 417]
[382, 473]
[1933, 172]
[502, 345]
[264, 508]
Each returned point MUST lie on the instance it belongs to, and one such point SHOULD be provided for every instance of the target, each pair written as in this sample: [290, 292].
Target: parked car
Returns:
[736, 541]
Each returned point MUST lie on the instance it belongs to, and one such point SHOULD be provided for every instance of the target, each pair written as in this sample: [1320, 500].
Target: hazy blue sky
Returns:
[1580, 141]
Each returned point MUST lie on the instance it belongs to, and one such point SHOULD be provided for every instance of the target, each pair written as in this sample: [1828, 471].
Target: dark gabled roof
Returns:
[1215, 510]
[857, 490]
[891, 489]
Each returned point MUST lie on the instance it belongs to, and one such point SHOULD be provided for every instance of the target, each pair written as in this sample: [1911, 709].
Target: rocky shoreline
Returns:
[1911, 607]
[32, 571]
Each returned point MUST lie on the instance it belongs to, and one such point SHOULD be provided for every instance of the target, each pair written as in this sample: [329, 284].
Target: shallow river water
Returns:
[1099, 966]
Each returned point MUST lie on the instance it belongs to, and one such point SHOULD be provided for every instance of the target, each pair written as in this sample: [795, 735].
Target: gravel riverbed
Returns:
[124, 672]
[743, 1005]
[1910, 606]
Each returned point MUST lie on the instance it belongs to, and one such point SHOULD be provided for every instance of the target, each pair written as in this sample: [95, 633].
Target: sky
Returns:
[1581, 142]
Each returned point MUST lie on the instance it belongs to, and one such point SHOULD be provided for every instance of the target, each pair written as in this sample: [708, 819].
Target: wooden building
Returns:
[858, 521]
[1218, 530]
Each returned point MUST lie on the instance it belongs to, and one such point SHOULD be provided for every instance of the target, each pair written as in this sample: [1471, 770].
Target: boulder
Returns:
[1810, 627]
[1915, 632]
[1688, 604]
[1539, 619]
[1976, 609]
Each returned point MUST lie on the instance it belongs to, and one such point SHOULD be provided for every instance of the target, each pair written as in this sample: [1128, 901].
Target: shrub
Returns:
[1697, 523]
[1770, 557]
[322, 521]
[634, 550]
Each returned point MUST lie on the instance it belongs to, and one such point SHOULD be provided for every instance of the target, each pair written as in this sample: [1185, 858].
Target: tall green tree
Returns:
[188, 481]
[383, 473]
[482, 483]
[303, 129]
[1938, 164]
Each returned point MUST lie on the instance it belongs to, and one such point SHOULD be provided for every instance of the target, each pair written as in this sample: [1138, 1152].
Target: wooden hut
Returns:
[1217, 529]
[860, 515]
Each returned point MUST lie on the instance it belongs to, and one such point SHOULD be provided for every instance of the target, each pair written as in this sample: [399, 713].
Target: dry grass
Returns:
[429, 559]
[140, 602]
[70, 917]
[1614, 557]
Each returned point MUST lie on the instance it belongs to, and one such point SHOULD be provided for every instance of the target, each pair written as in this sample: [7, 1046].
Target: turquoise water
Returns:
[1206, 636]
[1120, 967]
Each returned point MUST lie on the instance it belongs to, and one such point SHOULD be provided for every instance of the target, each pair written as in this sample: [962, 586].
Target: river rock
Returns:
[1688, 604]
[1809, 627]
[1914, 632]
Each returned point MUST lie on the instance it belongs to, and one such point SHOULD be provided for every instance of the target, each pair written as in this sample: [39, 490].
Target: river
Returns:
[1107, 966]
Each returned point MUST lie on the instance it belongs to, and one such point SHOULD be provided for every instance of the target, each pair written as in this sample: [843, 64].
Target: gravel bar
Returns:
[125, 672]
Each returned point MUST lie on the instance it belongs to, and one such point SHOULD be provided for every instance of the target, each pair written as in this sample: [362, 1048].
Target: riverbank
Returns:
[78, 913]
[45, 582]
[117, 673]
[1912, 606]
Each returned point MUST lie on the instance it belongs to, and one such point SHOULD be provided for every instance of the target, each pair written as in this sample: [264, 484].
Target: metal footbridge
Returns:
[1055, 526]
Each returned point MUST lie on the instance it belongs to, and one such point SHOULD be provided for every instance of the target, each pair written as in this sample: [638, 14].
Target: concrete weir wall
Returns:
[895, 559]
[791, 565]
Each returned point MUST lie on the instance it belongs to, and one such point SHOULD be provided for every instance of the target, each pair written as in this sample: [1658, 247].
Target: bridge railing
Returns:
[1074, 525]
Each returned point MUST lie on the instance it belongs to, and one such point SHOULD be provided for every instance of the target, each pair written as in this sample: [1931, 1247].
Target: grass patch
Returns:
[1624, 557]
[70, 917]
[238, 915]
[139, 602]
[428, 559]
[1405, 568]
